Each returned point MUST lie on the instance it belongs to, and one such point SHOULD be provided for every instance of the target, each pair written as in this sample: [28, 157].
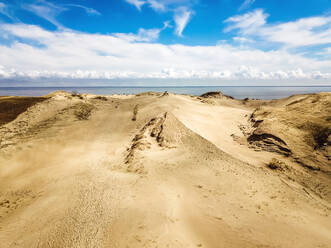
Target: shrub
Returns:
[318, 134]
[103, 98]
[276, 164]
[83, 112]
[135, 112]
[75, 93]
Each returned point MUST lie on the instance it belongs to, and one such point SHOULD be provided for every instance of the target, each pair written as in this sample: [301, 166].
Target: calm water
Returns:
[239, 92]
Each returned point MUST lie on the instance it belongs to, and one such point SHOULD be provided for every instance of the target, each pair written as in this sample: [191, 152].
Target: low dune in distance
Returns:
[165, 170]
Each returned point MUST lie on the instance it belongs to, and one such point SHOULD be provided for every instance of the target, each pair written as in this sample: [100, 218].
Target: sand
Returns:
[165, 170]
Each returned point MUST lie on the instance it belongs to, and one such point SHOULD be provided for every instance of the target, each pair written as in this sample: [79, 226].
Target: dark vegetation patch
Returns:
[317, 134]
[215, 94]
[166, 93]
[264, 136]
[276, 164]
[83, 111]
[149, 93]
[102, 98]
[269, 142]
[135, 112]
[75, 93]
[320, 135]
[11, 107]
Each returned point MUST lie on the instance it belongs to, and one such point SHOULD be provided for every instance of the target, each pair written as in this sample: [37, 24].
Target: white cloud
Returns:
[242, 39]
[302, 32]
[327, 50]
[137, 3]
[181, 18]
[26, 31]
[144, 35]
[247, 23]
[160, 5]
[246, 4]
[157, 5]
[241, 73]
[66, 54]
[89, 11]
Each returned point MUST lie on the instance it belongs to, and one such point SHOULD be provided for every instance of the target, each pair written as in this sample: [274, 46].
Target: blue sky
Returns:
[155, 41]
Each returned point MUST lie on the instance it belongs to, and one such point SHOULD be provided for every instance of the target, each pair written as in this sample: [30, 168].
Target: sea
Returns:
[238, 92]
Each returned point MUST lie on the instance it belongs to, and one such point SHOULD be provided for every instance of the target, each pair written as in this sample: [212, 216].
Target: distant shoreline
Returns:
[160, 86]
[238, 92]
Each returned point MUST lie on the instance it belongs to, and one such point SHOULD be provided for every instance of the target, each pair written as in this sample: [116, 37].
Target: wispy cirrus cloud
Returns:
[247, 23]
[180, 8]
[46, 10]
[50, 11]
[4, 10]
[160, 5]
[246, 4]
[89, 11]
[181, 18]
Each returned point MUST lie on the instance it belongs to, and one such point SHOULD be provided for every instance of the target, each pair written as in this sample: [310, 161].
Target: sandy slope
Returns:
[162, 171]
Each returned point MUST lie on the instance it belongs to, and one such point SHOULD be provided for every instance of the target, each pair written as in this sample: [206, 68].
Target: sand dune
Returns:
[165, 170]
